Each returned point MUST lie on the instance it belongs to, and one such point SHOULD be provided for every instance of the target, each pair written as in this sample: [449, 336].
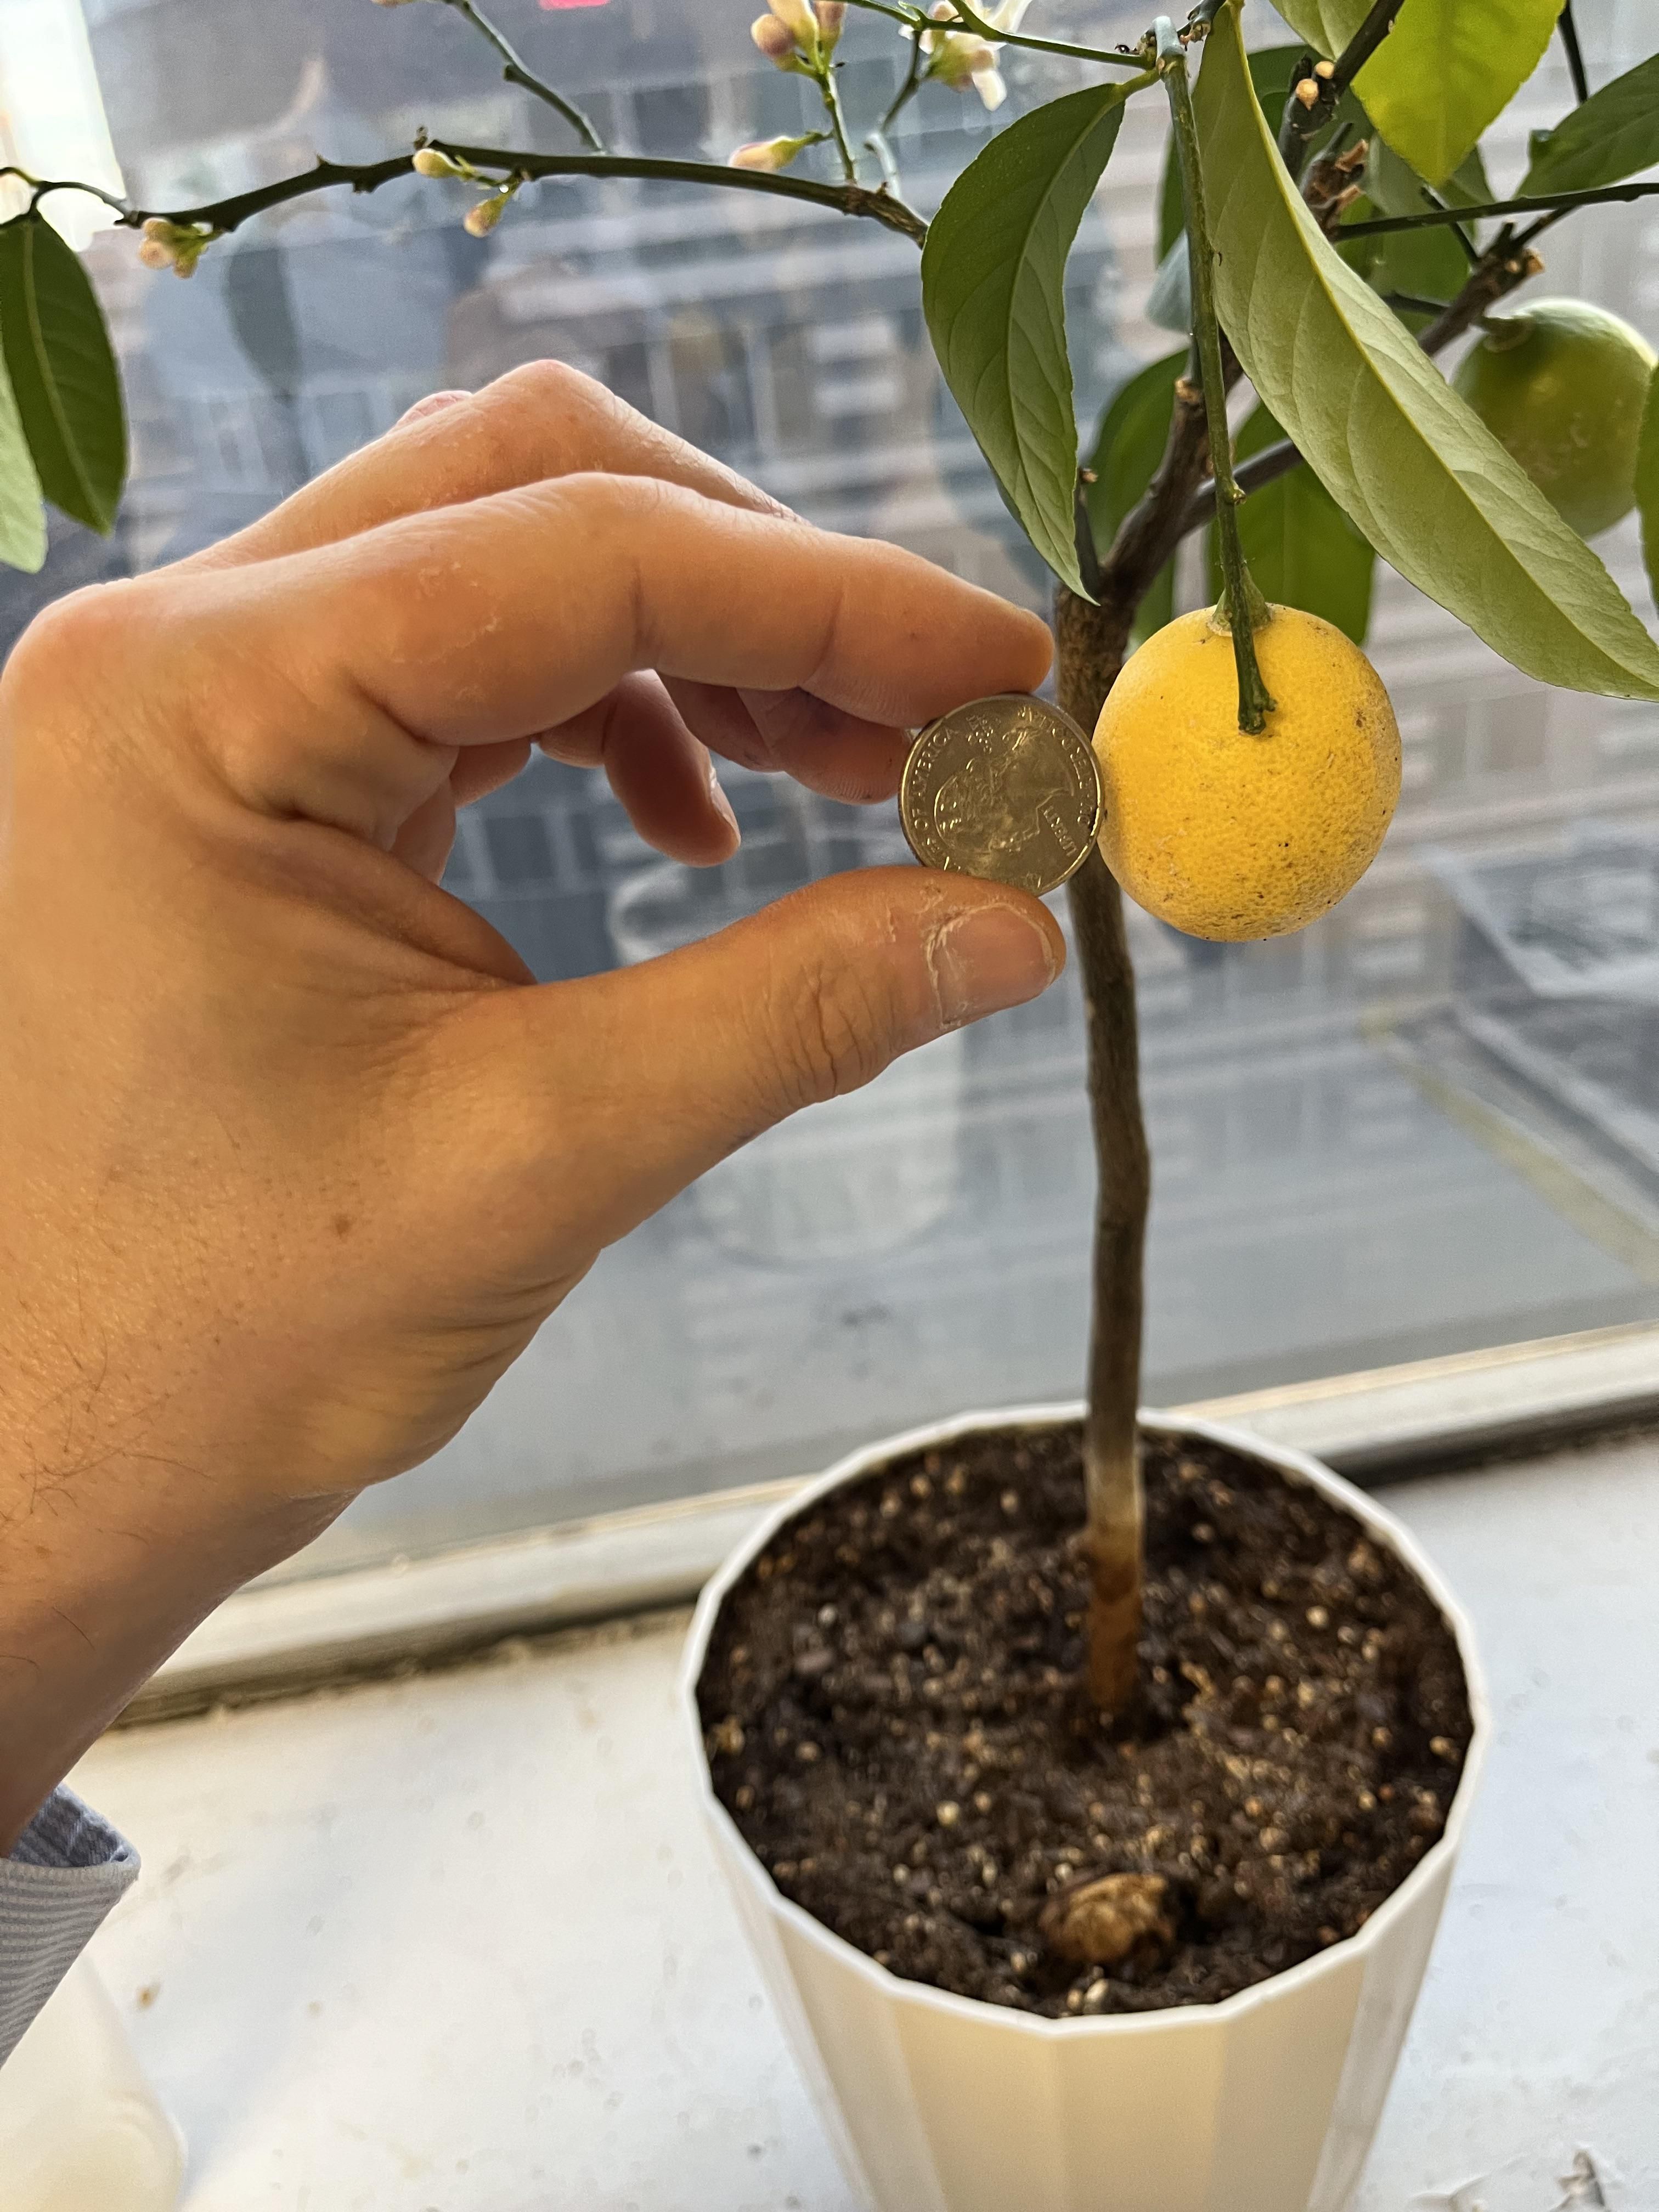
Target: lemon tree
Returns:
[1327, 234]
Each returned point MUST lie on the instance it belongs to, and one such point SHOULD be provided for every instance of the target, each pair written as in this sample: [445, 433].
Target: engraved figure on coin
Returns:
[1000, 804]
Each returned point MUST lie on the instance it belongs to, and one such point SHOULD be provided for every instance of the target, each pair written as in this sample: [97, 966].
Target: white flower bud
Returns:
[832, 16]
[770, 154]
[429, 162]
[775, 40]
[802, 24]
[478, 221]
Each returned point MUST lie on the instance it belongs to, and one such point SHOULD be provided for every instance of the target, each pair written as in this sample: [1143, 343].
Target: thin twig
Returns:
[39, 187]
[966, 19]
[1263, 468]
[1243, 602]
[1471, 251]
[877, 140]
[831, 96]
[1553, 205]
[1408, 303]
[1568, 30]
[908, 90]
[515, 72]
[220, 216]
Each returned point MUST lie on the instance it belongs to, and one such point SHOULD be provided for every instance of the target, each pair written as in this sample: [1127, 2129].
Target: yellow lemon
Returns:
[1223, 835]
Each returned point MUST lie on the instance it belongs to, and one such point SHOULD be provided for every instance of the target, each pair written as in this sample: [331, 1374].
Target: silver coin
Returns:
[1005, 788]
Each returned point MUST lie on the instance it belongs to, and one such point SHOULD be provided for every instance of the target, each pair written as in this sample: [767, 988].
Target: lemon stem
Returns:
[1242, 608]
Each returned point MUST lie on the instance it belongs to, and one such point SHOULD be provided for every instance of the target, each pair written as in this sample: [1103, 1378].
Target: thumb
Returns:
[640, 1080]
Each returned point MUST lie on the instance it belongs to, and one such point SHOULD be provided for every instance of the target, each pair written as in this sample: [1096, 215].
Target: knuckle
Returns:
[68, 644]
[548, 399]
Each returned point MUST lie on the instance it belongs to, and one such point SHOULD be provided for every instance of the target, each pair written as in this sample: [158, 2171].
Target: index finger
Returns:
[505, 618]
[543, 420]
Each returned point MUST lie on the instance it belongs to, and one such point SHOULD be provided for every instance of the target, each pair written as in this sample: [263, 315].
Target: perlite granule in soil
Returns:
[895, 1720]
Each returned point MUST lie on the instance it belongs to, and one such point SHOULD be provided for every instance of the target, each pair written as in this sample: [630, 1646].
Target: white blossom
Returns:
[175, 246]
[961, 59]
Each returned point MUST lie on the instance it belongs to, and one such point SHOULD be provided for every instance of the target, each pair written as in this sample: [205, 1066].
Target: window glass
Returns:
[1430, 1123]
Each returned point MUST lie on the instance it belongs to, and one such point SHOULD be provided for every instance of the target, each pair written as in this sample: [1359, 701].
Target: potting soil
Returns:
[896, 1719]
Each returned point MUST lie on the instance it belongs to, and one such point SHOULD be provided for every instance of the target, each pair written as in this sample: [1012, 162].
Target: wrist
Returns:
[108, 1560]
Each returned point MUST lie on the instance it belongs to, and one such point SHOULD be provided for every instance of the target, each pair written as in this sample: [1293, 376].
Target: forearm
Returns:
[107, 1561]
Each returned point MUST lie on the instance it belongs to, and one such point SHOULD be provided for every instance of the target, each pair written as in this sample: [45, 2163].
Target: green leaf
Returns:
[1128, 449]
[1396, 188]
[1302, 549]
[1170, 302]
[1446, 69]
[1647, 484]
[1270, 73]
[23, 518]
[62, 373]
[1614, 134]
[993, 292]
[1326, 25]
[1400, 453]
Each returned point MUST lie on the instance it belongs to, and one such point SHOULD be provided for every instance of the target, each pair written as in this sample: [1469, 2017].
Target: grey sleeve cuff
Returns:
[67, 1870]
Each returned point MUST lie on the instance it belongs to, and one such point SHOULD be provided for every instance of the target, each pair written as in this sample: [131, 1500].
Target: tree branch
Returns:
[1568, 30]
[1552, 205]
[1305, 118]
[514, 71]
[220, 216]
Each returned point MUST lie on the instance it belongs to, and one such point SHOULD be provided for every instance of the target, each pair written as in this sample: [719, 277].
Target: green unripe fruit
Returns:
[1562, 386]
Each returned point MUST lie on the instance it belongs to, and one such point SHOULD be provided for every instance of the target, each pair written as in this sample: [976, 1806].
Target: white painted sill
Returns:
[457, 1943]
[1431, 1413]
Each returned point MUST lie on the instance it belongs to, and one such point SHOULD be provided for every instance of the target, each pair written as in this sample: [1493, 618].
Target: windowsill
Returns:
[290, 1634]
[456, 1941]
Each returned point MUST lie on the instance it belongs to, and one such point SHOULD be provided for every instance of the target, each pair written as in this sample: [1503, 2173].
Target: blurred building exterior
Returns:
[1377, 1139]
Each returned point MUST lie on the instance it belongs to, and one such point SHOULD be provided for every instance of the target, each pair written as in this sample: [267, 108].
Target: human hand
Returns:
[298, 1157]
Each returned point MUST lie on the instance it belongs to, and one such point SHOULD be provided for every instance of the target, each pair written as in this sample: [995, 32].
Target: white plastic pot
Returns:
[80, 2129]
[935, 2103]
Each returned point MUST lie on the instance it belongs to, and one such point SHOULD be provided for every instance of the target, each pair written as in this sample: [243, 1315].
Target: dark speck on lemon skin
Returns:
[343, 1224]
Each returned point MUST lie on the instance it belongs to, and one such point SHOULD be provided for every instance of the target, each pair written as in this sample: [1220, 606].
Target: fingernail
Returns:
[991, 958]
[723, 805]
